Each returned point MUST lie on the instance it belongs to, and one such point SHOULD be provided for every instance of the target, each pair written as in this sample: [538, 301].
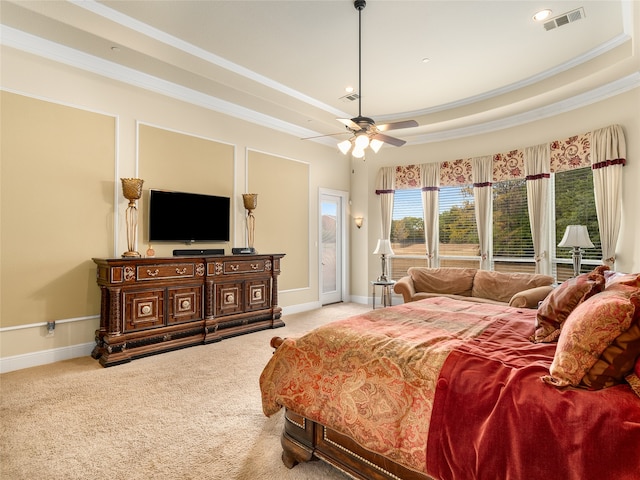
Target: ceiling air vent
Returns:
[350, 98]
[565, 19]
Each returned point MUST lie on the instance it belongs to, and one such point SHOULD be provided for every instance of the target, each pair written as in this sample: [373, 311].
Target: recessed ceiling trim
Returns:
[586, 57]
[44, 48]
[598, 94]
[177, 43]
[26, 42]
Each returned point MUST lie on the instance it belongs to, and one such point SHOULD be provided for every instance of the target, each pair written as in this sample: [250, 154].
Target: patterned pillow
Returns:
[634, 378]
[617, 360]
[623, 279]
[588, 331]
[557, 306]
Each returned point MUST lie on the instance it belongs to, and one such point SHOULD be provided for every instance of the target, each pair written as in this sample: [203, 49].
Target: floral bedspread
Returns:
[373, 376]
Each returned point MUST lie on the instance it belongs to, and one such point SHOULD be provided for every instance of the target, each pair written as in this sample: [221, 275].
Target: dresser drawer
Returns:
[163, 271]
[244, 266]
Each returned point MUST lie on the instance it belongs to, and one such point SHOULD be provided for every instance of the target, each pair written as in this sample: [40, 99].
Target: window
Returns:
[459, 245]
[575, 205]
[512, 242]
[572, 202]
[407, 232]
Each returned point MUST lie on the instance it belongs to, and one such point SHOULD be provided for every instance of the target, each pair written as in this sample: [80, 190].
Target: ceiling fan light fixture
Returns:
[375, 145]
[361, 141]
[344, 146]
[358, 152]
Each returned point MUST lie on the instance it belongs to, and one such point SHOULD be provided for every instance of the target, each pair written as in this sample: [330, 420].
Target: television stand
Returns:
[152, 305]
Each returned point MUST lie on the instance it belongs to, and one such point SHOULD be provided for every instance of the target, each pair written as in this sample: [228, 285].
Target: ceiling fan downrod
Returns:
[359, 5]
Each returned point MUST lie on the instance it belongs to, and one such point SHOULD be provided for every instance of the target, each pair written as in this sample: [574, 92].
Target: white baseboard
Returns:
[44, 357]
[34, 359]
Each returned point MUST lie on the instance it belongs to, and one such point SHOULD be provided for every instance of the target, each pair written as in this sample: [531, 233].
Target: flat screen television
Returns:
[188, 217]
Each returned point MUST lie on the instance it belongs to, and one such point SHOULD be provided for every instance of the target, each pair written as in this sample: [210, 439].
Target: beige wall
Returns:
[282, 216]
[98, 228]
[169, 160]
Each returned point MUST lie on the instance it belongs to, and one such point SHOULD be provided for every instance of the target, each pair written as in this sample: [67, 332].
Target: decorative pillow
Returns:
[557, 306]
[634, 378]
[590, 328]
[617, 360]
[624, 279]
[448, 280]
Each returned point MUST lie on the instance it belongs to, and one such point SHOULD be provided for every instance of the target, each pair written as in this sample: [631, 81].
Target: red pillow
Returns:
[555, 309]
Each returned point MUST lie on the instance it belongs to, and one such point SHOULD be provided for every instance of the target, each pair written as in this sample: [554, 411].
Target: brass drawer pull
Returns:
[153, 273]
[181, 272]
[255, 266]
[234, 267]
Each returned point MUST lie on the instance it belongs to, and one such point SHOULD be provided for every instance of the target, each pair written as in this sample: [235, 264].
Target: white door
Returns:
[332, 246]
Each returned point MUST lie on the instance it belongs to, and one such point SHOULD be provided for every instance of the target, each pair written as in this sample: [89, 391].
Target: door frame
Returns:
[344, 240]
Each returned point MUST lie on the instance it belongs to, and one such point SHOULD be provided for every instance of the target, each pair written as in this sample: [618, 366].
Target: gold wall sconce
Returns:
[358, 221]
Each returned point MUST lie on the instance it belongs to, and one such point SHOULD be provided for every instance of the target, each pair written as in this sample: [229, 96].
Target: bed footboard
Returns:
[304, 440]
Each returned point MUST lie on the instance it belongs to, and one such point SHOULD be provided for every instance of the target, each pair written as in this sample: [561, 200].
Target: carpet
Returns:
[193, 413]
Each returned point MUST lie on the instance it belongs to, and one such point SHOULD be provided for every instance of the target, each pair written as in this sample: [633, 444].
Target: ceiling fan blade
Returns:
[349, 123]
[326, 135]
[397, 125]
[390, 140]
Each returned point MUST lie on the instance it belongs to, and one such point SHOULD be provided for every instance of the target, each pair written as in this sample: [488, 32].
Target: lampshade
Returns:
[576, 236]
[362, 141]
[358, 152]
[344, 146]
[359, 143]
[383, 247]
[375, 145]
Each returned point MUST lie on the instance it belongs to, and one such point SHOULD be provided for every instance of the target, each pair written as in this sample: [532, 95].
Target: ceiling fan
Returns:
[364, 130]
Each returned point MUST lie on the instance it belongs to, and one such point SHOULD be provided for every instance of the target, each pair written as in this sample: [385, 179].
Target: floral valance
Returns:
[573, 152]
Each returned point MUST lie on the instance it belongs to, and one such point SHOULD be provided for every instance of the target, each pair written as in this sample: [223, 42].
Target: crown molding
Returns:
[598, 94]
[32, 44]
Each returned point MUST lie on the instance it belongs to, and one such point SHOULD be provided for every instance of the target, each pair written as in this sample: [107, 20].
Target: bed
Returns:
[448, 389]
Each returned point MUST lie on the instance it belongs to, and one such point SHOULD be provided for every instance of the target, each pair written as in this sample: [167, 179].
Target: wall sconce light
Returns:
[358, 221]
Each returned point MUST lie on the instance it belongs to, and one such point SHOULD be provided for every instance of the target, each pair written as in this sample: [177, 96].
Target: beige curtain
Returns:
[385, 188]
[430, 183]
[537, 167]
[608, 156]
[482, 175]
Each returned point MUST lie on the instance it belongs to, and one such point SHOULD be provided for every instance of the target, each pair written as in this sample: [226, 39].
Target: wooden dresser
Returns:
[151, 305]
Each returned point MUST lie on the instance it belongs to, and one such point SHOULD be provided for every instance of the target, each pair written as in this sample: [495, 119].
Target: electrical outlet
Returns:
[51, 327]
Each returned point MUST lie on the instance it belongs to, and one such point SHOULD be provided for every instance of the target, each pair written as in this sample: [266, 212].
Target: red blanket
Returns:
[511, 425]
[453, 389]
